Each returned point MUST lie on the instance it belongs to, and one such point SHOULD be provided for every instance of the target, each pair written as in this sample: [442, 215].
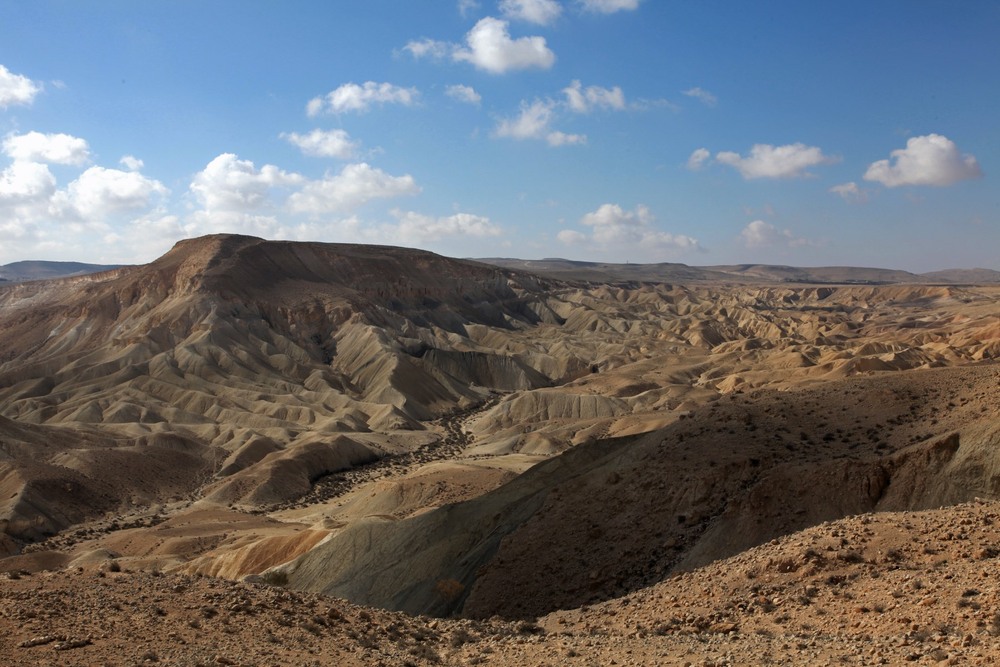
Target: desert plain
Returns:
[253, 452]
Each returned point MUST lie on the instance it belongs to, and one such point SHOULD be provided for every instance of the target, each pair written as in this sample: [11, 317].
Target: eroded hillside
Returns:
[312, 411]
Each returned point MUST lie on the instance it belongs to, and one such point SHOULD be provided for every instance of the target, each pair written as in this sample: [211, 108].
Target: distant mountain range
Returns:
[566, 269]
[16, 272]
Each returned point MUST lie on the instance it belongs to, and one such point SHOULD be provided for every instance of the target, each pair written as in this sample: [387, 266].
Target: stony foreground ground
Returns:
[892, 588]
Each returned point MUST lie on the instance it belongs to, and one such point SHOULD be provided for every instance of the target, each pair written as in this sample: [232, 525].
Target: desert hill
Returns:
[42, 270]
[733, 475]
[232, 343]
[439, 436]
[740, 273]
[966, 276]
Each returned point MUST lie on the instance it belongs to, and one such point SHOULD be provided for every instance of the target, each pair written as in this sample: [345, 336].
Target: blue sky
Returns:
[709, 132]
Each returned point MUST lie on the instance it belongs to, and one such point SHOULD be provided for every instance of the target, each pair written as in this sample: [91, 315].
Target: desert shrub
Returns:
[851, 556]
[275, 578]
[461, 636]
[449, 589]
[529, 628]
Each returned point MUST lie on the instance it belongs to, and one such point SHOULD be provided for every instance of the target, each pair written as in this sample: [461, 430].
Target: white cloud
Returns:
[16, 89]
[760, 234]
[428, 48]
[707, 98]
[491, 48]
[613, 227]
[571, 237]
[354, 97]
[323, 143]
[37, 219]
[99, 193]
[583, 100]
[531, 123]
[418, 228]
[236, 197]
[534, 122]
[354, 186]
[52, 148]
[467, 6]
[230, 184]
[932, 159]
[766, 161]
[698, 159]
[850, 192]
[462, 93]
[610, 222]
[609, 6]
[26, 182]
[131, 162]
[542, 12]
[562, 139]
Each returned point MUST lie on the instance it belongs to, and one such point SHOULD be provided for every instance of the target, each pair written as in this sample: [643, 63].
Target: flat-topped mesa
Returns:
[285, 275]
[369, 328]
[301, 289]
[245, 264]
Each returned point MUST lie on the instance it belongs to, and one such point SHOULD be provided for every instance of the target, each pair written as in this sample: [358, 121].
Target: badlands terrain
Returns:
[254, 452]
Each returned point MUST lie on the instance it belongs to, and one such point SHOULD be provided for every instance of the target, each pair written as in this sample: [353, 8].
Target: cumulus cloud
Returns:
[766, 161]
[99, 193]
[571, 237]
[609, 6]
[360, 98]
[531, 123]
[228, 183]
[24, 182]
[417, 228]
[355, 185]
[52, 148]
[428, 48]
[323, 143]
[16, 89]
[462, 93]
[39, 218]
[534, 122]
[932, 159]
[760, 234]
[612, 227]
[27, 190]
[706, 98]
[583, 100]
[850, 192]
[542, 12]
[467, 6]
[131, 162]
[491, 48]
[698, 159]
[557, 138]
[237, 197]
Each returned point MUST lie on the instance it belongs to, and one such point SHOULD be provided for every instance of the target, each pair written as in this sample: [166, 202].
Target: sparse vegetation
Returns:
[449, 589]
[275, 578]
